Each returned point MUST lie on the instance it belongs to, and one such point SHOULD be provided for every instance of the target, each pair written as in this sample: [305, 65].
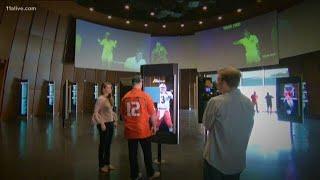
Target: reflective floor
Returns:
[44, 149]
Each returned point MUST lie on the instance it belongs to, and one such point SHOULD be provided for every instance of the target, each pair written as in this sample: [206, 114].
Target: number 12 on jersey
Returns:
[133, 108]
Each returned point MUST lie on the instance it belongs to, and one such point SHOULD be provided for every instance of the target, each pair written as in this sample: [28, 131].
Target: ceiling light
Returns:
[220, 17]
[164, 26]
[152, 13]
[91, 9]
[259, 1]
[239, 10]
[200, 22]
[109, 17]
[146, 25]
[127, 7]
[204, 8]
[127, 21]
[181, 25]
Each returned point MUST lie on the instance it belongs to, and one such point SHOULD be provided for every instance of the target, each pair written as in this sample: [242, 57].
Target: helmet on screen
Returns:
[163, 88]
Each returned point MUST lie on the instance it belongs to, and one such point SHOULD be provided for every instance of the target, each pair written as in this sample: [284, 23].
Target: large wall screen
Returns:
[102, 47]
[248, 43]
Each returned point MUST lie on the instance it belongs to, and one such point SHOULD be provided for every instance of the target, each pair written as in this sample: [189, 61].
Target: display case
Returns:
[96, 91]
[70, 99]
[50, 97]
[289, 99]
[206, 90]
[24, 98]
[161, 82]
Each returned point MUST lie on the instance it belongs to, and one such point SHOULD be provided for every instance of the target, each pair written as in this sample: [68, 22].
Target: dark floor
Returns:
[44, 149]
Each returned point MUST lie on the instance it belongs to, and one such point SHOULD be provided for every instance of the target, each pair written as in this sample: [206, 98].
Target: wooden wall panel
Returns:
[31, 59]
[187, 93]
[33, 53]
[79, 78]
[80, 96]
[3, 68]
[111, 76]
[88, 97]
[46, 50]
[15, 65]
[80, 75]
[100, 76]
[38, 105]
[87, 93]
[192, 77]
[67, 74]
[184, 87]
[43, 69]
[7, 30]
[121, 74]
[57, 59]
[51, 26]
[312, 78]
[39, 22]
[90, 75]
[2, 9]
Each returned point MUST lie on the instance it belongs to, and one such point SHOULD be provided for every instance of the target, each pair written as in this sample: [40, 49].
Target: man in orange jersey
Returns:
[136, 110]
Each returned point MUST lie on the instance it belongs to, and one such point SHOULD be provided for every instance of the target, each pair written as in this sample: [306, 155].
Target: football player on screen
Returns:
[163, 107]
[107, 51]
[288, 93]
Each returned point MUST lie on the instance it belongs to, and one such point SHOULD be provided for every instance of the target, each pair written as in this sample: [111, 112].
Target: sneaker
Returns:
[155, 175]
[111, 167]
[104, 169]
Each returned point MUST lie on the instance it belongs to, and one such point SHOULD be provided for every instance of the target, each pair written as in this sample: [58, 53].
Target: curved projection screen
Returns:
[299, 29]
[244, 44]
[178, 49]
[102, 47]
[249, 43]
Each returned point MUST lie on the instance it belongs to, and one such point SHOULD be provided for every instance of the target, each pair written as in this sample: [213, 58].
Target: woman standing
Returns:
[106, 121]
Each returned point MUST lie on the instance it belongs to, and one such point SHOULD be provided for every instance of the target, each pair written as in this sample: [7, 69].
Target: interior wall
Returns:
[3, 68]
[307, 66]
[56, 67]
[187, 90]
[14, 30]
[35, 46]
[299, 28]
[33, 43]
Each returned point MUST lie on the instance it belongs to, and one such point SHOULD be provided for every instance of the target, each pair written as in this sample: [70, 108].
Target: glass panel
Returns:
[252, 78]
[270, 75]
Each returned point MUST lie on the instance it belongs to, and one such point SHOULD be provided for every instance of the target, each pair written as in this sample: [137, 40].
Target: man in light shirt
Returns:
[229, 120]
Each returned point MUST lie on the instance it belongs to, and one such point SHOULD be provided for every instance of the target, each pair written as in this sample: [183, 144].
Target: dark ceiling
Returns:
[166, 10]
[171, 13]
[174, 10]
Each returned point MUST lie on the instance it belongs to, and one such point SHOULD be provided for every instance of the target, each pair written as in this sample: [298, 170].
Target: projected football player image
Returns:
[134, 63]
[163, 107]
[78, 43]
[251, 45]
[289, 104]
[159, 54]
[288, 98]
[107, 51]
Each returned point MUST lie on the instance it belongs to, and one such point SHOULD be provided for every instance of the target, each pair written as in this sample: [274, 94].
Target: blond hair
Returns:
[231, 76]
[110, 97]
